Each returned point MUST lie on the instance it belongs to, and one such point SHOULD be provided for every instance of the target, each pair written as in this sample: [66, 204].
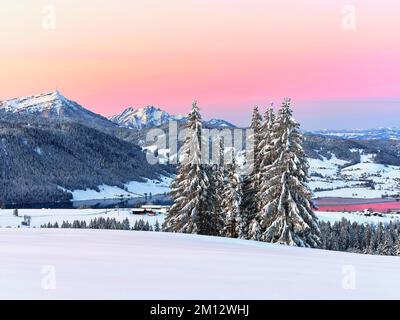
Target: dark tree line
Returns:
[106, 224]
[380, 239]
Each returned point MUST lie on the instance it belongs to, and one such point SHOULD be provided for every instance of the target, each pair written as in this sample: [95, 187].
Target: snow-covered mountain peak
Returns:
[52, 105]
[151, 116]
[141, 118]
[220, 123]
[151, 112]
[38, 103]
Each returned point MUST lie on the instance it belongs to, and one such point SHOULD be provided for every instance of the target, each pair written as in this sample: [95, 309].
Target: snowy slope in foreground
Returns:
[91, 264]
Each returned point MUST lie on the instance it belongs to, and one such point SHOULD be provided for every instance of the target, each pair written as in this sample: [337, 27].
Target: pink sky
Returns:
[229, 55]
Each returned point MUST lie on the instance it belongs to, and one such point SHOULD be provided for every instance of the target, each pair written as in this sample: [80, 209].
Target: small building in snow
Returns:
[156, 208]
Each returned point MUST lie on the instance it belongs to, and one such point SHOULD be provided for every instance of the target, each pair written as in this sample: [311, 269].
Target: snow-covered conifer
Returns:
[189, 188]
[215, 176]
[287, 217]
[397, 247]
[265, 156]
[386, 246]
[250, 183]
[219, 178]
[231, 199]
[157, 226]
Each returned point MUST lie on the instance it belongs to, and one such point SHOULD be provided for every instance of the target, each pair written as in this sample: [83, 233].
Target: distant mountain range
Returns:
[151, 116]
[146, 117]
[363, 134]
[54, 105]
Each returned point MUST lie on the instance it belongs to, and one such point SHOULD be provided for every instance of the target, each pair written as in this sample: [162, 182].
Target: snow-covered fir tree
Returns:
[386, 246]
[288, 217]
[373, 243]
[265, 155]
[219, 174]
[250, 183]
[397, 247]
[215, 176]
[232, 197]
[157, 226]
[189, 190]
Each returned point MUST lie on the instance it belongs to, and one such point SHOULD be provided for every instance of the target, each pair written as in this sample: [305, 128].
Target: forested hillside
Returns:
[386, 152]
[37, 155]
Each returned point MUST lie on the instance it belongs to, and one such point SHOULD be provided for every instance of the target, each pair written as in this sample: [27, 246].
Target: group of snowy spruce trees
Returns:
[272, 203]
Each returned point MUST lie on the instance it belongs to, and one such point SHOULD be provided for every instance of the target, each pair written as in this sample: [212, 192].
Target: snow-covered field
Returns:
[105, 264]
[44, 216]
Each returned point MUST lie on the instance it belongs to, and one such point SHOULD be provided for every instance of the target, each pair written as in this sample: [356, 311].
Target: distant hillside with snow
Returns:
[343, 168]
[353, 168]
[333, 177]
[363, 134]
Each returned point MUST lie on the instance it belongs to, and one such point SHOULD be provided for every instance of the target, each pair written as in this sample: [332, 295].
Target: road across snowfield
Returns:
[105, 264]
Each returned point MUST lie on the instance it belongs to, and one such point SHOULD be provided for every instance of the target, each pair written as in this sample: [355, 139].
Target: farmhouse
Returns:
[156, 208]
[142, 211]
[150, 210]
